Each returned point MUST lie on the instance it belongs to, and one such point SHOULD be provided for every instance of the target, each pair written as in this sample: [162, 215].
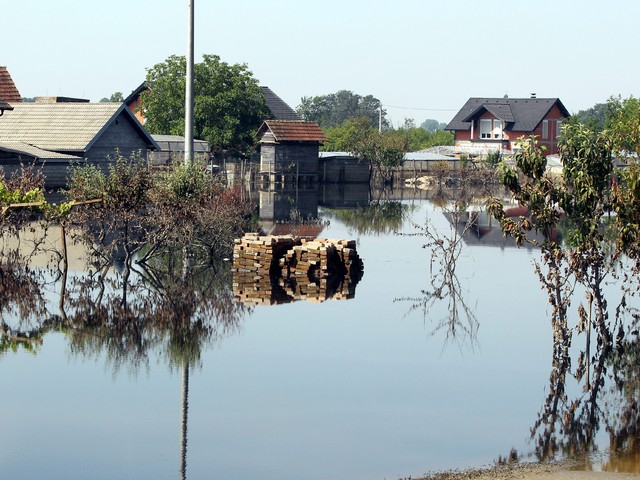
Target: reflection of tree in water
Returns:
[382, 216]
[445, 248]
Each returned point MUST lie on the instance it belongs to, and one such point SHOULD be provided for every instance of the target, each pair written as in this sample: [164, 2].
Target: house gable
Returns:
[279, 109]
[8, 91]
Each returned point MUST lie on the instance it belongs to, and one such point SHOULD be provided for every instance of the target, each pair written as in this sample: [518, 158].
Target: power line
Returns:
[424, 109]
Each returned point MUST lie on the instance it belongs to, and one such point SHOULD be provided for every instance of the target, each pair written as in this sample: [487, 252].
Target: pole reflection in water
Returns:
[184, 422]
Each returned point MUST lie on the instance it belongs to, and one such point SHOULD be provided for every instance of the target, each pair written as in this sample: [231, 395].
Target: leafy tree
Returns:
[228, 102]
[334, 109]
[342, 138]
[432, 125]
[384, 151]
[116, 97]
[593, 117]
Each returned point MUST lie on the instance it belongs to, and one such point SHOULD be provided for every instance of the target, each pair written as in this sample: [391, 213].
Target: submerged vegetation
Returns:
[167, 232]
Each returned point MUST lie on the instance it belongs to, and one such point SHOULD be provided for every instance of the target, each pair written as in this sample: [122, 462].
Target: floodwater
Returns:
[383, 385]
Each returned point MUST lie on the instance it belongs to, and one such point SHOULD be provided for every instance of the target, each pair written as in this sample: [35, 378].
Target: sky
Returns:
[421, 58]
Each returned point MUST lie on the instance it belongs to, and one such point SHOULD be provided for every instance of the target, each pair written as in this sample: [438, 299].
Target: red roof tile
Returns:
[8, 91]
[293, 131]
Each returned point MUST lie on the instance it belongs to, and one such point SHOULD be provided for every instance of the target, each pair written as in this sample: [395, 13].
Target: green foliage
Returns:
[86, 182]
[342, 138]
[334, 109]
[115, 97]
[229, 105]
[377, 218]
[186, 181]
[594, 117]
[432, 125]
[588, 169]
[8, 196]
[127, 183]
[493, 158]
[623, 123]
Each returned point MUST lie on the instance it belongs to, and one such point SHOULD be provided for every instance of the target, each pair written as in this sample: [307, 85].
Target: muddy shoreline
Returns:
[527, 471]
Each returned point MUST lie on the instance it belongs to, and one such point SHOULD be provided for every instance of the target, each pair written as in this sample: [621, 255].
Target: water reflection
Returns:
[445, 247]
[178, 303]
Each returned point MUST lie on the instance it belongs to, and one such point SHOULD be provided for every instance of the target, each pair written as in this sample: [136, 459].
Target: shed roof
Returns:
[8, 90]
[278, 107]
[293, 131]
[64, 127]
[21, 148]
[520, 114]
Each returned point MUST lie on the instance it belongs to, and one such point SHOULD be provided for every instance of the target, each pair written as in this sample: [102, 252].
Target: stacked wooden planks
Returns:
[279, 269]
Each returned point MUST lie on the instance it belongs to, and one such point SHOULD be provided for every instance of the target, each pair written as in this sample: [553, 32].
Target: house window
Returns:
[490, 128]
[485, 128]
[558, 128]
[545, 129]
[497, 128]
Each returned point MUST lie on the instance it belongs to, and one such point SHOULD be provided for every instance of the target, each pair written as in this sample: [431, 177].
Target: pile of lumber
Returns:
[280, 269]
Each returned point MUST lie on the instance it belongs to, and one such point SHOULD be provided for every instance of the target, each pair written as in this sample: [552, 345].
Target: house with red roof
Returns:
[486, 125]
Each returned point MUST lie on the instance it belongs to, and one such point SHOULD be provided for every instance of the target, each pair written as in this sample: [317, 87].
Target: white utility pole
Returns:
[380, 119]
[188, 107]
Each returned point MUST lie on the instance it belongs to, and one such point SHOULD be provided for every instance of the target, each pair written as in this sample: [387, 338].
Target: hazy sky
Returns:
[425, 55]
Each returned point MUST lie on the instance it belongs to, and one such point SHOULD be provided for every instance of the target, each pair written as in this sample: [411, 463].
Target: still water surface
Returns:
[366, 388]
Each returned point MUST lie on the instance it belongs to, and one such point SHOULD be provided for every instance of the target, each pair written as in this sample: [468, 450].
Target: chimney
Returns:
[533, 94]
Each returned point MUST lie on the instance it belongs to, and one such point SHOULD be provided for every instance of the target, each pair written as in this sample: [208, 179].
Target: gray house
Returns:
[56, 134]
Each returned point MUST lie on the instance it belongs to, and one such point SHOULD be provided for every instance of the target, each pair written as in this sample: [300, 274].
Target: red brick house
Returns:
[494, 124]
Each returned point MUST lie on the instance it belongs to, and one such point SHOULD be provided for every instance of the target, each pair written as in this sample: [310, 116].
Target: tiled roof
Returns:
[62, 127]
[293, 131]
[278, 107]
[21, 148]
[8, 91]
[521, 114]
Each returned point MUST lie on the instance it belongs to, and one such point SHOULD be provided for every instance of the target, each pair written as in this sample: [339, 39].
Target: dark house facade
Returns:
[495, 124]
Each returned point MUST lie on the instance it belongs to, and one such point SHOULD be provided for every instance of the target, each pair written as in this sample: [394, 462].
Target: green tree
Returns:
[334, 109]
[341, 138]
[432, 125]
[417, 138]
[115, 97]
[384, 151]
[228, 102]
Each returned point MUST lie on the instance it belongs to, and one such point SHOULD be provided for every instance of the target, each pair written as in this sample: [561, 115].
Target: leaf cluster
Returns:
[229, 105]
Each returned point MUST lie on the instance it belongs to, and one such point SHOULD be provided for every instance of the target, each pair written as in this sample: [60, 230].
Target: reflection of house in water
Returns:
[483, 230]
[295, 210]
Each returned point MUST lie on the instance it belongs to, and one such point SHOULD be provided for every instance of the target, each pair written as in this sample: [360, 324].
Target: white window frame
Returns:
[558, 128]
[486, 128]
[497, 128]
